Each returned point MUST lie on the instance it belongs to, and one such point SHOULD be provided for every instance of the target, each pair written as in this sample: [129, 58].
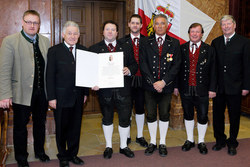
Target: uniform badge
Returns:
[169, 57]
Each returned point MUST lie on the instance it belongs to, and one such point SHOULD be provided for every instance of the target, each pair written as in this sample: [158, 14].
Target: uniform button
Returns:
[31, 86]
[32, 76]
[153, 66]
[153, 72]
[200, 72]
[163, 72]
[200, 81]
[200, 76]
[225, 66]
[153, 61]
[185, 75]
[225, 70]
[164, 68]
[154, 76]
[154, 56]
[164, 63]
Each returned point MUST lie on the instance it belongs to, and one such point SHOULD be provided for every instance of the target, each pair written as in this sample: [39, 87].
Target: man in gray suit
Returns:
[22, 68]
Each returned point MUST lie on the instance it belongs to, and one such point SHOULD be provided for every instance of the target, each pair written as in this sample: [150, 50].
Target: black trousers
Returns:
[201, 105]
[138, 100]
[38, 108]
[68, 129]
[122, 104]
[233, 102]
[152, 99]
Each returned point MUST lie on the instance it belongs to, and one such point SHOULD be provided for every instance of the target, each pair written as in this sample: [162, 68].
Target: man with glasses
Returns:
[22, 71]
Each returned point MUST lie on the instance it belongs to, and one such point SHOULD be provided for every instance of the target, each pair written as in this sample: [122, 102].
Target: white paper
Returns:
[103, 70]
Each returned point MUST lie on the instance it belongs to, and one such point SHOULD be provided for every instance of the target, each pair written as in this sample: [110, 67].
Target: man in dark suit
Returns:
[159, 65]
[64, 96]
[137, 92]
[232, 54]
[196, 83]
[115, 97]
[22, 74]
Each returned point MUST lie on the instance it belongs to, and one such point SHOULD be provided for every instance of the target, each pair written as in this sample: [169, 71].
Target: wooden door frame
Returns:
[56, 18]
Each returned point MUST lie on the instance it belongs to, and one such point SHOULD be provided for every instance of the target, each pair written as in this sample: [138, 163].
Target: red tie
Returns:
[111, 47]
[70, 49]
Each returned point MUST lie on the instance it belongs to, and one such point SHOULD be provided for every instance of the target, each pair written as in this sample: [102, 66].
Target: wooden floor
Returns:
[93, 141]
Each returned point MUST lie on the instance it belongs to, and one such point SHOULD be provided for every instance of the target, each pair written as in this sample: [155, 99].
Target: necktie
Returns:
[227, 41]
[70, 49]
[111, 47]
[159, 41]
[194, 47]
[136, 41]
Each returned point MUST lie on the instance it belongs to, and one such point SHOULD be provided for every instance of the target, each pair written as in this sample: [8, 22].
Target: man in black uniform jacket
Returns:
[233, 61]
[196, 83]
[64, 96]
[159, 65]
[115, 97]
[133, 41]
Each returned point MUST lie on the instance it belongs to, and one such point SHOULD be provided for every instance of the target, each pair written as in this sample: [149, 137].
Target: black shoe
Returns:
[42, 157]
[127, 152]
[107, 154]
[150, 150]
[128, 140]
[187, 145]
[163, 150]
[64, 163]
[142, 141]
[76, 160]
[232, 151]
[218, 147]
[23, 163]
[202, 147]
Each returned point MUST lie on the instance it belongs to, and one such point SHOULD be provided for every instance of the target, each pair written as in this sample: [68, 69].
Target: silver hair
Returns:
[70, 23]
[227, 17]
[162, 16]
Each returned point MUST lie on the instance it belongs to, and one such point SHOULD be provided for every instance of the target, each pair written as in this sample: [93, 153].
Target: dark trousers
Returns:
[152, 99]
[233, 102]
[138, 100]
[201, 105]
[122, 104]
[68, 128]
[38, 108]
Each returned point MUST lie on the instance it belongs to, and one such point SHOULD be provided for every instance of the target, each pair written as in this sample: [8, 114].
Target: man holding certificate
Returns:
[109, 98]
[66, 98]
[159, 65]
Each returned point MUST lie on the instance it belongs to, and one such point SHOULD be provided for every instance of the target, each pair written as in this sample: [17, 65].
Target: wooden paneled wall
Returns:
[12, 11]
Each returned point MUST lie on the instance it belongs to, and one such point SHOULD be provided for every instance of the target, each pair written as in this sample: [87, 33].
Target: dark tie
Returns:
[194, 47]
[159, 41]
[136, 41]
[70, 49]
[227, 41]
[111, 47]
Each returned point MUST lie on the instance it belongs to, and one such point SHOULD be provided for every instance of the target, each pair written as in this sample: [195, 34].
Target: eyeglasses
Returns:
[30, 23]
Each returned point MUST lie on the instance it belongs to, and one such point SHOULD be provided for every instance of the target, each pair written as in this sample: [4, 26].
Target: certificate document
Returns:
[104, 70]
